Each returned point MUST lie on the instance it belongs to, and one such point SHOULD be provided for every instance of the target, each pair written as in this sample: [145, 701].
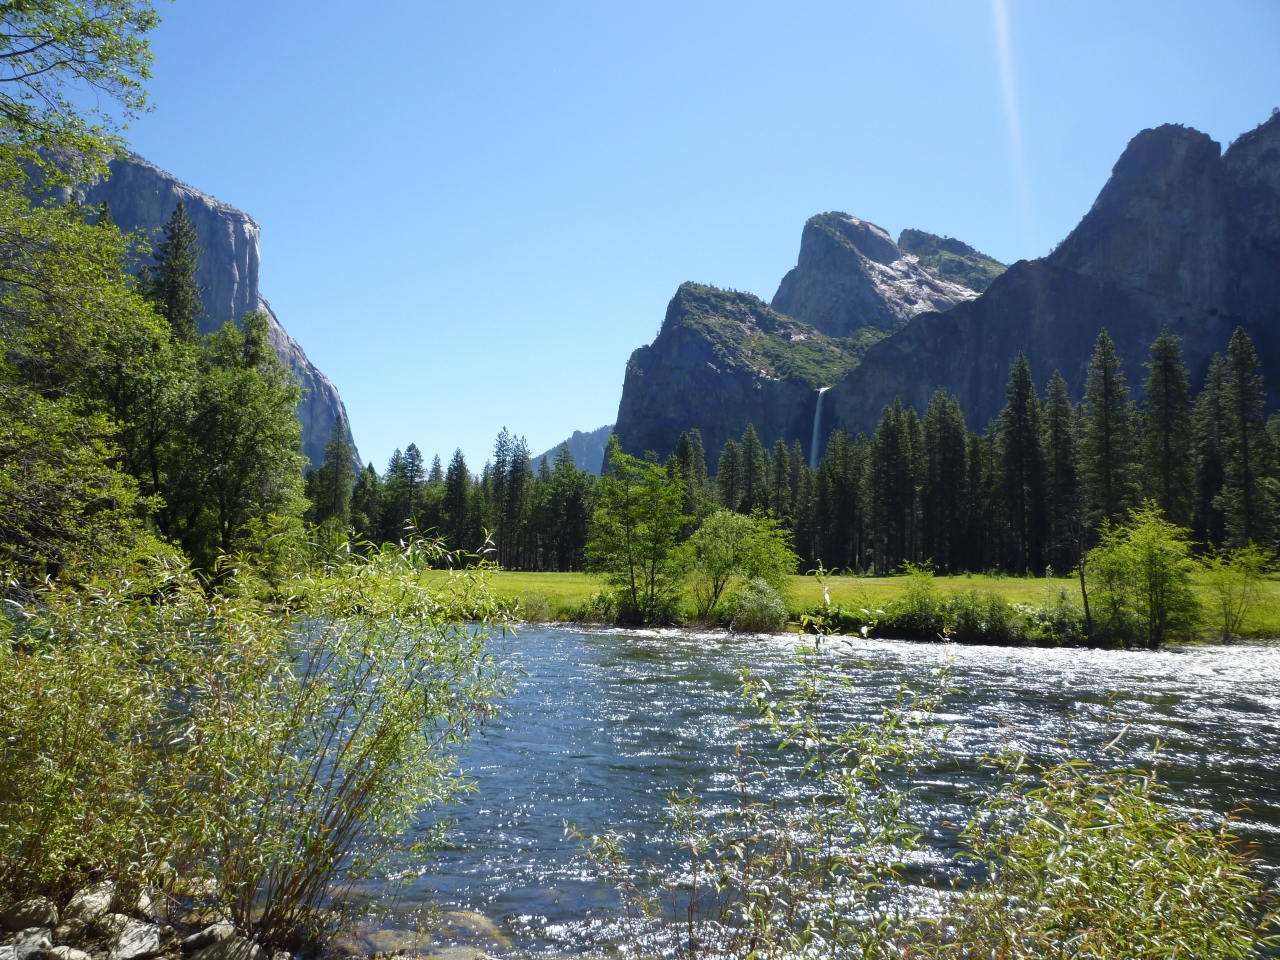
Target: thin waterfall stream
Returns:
[817, 429]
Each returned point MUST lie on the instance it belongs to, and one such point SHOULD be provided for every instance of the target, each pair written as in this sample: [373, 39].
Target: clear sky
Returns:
[472, 213]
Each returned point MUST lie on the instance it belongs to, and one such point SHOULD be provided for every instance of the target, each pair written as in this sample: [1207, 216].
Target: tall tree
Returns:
[755, 481]
[1247, 500]
[892, 489]
[1063, 504]
[1023, 467]
[171, 282]
[1167, 466]
[457, 503]
[729, 475]
[943, 487]
[366, 504]
[780, 481]
[1107, 449]
[1209, 429]
[330, 487]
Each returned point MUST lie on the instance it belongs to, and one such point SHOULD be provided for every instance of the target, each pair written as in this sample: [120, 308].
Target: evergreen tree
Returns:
[944, 479]
[891, 491]
[693, 468]
[435, 477]
[796, 465]
[414, 476]
[1062, 483]
[755, 482]
[366, 504]
[1167, 466]
[171, 282]
[840, 482]
[331, 491]
[780, 481]
[1247, 500]
[729, 475]
[805, 517]
[1023, 467]
[395, 499]
[457, 504]
[1107, 447]
[1209, 428]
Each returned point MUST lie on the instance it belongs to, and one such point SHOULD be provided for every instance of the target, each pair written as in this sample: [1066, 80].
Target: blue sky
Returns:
[473, 213]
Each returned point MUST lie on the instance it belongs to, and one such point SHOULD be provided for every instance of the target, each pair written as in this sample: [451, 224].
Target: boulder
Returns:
[208, 936]
[66, 953]
[136, 940]
[33, 943]
[70, 931]
[36, 912]
[232, 948]
[89, 904]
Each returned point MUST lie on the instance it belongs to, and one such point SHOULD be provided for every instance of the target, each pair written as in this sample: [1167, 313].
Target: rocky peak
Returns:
[142, 197]
[951, 259]
[850, 275]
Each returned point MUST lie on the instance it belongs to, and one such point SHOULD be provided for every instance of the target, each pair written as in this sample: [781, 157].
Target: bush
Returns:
[757, 608]
[278, 748]
[534, 608]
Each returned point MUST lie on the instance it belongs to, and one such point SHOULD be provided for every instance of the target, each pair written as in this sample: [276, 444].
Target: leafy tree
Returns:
[1107, 448]
[1144, 573]
[1247, 500]
[171, 282]
[1167, 465]
[731, 547]
[1023, 466]
[639, 513]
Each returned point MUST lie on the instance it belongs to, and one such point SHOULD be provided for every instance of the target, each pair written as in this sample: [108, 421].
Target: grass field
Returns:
[556, 596]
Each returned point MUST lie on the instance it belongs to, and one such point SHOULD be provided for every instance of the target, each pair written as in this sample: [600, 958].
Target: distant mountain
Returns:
[587, 449]
[142, 197]
[951, 259]
[1182, 233]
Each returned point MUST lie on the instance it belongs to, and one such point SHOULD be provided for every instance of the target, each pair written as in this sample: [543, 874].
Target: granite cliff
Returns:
[724, 359]
[1181, 234]
[142, 197]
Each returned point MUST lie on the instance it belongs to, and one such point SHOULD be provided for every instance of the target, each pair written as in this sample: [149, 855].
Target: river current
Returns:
[604, 725]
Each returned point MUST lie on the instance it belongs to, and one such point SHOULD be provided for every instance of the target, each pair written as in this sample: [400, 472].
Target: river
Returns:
[605, 724]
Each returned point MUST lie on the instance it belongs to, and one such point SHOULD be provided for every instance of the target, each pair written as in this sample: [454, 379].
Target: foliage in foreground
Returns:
[1075, 861]
[278, 747]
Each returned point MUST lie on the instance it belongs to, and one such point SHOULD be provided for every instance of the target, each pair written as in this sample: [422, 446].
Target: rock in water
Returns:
[36, 912]
[143, 197]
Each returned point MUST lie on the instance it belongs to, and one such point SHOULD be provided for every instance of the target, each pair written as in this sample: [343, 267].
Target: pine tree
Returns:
[332, 488]
[414, 475]
[1107, 449]
[796, 465]
[755, 481]
[457, 503]
[1167, 470]
[1022, 460]
[435, 477]
[729, 475]
[693, 468]
[1247, 500]
[1209, 427]
[944, 478]
[780, 481]
[891, 489]
[1062, 482]
[171, 282]
[366, 504]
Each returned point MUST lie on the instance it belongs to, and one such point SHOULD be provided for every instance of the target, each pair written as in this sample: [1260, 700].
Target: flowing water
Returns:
[605, 724]
[817, 429]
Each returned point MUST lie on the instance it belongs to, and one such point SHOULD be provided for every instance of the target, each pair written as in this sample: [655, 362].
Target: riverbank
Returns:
[564, 597]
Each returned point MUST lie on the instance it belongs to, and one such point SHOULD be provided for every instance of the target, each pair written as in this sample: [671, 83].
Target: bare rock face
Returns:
[1180, 234]
[721, 361]
[142, 197]
[851, 275]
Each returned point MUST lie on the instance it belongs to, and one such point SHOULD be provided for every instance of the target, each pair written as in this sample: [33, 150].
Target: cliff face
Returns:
[143, 197]
[851, 275]
[723, 360]
[1180, 234]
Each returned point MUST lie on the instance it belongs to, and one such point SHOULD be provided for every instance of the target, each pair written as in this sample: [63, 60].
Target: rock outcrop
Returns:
[1180, 234]
[951, 259]
[142, 197]
[721, 361]
[587, 449]
[851, 275]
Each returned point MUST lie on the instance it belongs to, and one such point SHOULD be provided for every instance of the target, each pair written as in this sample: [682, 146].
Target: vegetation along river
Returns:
[605, 724]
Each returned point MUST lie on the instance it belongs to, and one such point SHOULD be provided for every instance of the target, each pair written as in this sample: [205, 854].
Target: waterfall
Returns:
[817, 429]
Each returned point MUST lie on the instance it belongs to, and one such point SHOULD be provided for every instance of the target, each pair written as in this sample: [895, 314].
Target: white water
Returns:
[817, 429]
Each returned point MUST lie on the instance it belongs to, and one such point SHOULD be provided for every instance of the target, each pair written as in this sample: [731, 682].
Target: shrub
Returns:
[757, 608]
[1234, 582]
[534, 608]
[279, 748]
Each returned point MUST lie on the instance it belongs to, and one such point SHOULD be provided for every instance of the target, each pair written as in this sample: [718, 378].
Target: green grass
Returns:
[558, 596]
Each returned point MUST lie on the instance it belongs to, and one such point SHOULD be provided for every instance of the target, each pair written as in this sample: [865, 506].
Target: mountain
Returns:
[142, 197]
[851, 275]
[587, 449]
[951, 259]
[724, 359]
[1181, 233]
